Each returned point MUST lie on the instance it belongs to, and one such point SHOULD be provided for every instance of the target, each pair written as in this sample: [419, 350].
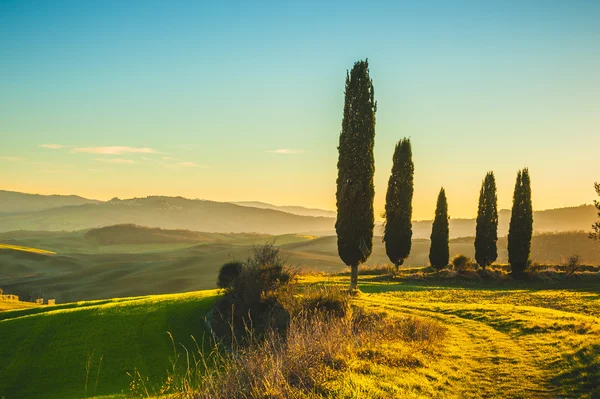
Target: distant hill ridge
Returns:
[166, 212]
[127, 234]
[71, 213]
[14, 202]
[134, 234]
[297, 210]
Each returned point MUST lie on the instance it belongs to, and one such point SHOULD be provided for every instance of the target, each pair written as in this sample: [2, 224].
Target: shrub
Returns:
[461, 262]
[572, 264]
[258, 297]
[228, 273]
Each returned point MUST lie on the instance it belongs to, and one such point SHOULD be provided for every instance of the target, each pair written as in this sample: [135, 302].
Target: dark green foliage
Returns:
[356, 166]
[439, 252]
[398, 205]
[256, 298]
[486, 236]
[228, 273]
[521, 225]
[595, 234]
[461, 262]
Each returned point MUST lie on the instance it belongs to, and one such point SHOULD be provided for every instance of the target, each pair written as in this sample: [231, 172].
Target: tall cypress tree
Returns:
[521, 225]
[356, 167]
[486, 235]
[439, 252]
[398, 205]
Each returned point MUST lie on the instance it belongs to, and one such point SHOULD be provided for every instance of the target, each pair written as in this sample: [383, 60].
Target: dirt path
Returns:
[484, 360]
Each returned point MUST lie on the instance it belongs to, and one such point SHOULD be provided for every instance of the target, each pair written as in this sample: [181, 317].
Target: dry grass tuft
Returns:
[318, 347]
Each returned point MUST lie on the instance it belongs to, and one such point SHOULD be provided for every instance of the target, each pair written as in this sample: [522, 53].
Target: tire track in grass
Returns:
[483, 362]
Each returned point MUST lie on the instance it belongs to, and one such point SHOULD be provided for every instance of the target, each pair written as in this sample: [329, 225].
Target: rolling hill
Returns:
[15, 202]
[128, 260]
[167, 213]
[45, 350]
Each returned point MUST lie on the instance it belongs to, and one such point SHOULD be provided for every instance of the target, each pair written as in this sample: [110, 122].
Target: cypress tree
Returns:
[398, 205]
[521, 225]
[486, 235]
[439, 252]
[595, 234]
[356, 167]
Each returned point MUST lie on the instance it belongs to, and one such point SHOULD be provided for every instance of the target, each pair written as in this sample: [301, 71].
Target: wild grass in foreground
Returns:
[289, 343]
[322, 354]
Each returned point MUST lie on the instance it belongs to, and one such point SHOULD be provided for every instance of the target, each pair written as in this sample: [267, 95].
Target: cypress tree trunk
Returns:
[439, 252]
[353, 276]
[521, 225]
[486, 237]
[398, 205]
[356, 166]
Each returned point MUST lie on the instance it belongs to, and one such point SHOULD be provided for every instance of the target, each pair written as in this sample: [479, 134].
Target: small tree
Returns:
[572, 264]
[228, 273]
[255, 294]
[521, 225]
[486, 251]
[398, 205]
[595, 234]
[439, 252]
[356, 167]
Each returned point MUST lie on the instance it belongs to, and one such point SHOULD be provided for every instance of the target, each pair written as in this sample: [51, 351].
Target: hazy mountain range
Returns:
[13, 202]
[296, 210]
[20, 211]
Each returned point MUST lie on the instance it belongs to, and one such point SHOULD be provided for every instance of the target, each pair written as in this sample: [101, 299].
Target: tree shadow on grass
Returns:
[582, 376]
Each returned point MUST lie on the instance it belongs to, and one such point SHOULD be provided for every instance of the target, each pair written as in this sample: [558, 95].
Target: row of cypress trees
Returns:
[355, 193]
[486, 232]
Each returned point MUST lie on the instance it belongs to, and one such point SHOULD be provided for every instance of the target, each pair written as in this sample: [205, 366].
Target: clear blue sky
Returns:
[240, 100]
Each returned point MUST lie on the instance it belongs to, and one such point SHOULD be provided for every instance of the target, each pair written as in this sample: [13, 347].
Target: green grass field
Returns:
[74, 266]
[45, 350]
[502, 341]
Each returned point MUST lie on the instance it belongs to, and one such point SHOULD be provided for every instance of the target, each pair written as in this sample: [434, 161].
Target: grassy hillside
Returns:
[128, 234]
[502, 341]
[45, 351]
[142, 261]
[85, 269]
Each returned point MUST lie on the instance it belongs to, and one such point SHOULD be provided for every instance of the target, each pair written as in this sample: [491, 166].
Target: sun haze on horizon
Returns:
[238, 101]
